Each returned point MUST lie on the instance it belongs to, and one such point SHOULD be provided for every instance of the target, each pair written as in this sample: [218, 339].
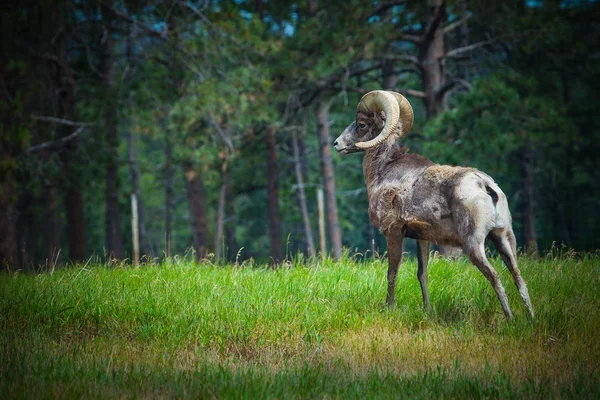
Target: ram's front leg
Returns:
[422, 261]
[395, 241]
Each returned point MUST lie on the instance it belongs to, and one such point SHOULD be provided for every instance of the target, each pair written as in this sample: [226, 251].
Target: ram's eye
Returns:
[362, 126]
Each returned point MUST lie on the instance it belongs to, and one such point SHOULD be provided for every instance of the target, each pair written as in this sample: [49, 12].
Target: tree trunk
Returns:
[389, 78]
[372, 237]
[333, 225]
[273, 195]
[312, 7]
[463, 70]
[230, 224]
[431, 58]
[135, 233]
[73, 198]
[321, 215]
[310, 244]
[197, 209]
[135, 188]
[24, 229]
[302, 144]
[528, 210]
[51, 223]
[168, 193]
[135, 185]
[8, 216]
[559, 217]
[145, 248]
[221, 215]
[432, 53]
[114, 240]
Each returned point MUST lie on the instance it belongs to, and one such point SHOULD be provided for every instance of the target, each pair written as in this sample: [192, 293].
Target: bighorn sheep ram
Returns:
[410, 196]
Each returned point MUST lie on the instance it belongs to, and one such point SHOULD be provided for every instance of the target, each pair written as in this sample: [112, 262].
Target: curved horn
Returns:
[379, 100]
[407, 115]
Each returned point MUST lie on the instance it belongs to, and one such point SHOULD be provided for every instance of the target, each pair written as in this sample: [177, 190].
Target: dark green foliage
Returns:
[210, 78]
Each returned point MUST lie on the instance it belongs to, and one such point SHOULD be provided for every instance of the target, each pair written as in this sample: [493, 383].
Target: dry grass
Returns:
[183, 330]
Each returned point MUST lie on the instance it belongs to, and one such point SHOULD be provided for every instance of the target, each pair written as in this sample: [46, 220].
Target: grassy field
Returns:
[180, 329]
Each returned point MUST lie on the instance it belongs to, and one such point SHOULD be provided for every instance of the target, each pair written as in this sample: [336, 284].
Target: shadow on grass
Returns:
[29, 376]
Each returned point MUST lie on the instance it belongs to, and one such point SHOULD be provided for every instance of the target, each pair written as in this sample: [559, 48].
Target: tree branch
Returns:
[411, 92]
[409, 37]
[404, 57]
[445, 87]
[407, 71]
[434, 21]
[407, 92]
[61, 121]
[326, 83]
[88, 55]
[455, 53]
[55, 143]
[161, 35]
[127, 18]
[452, 26]
[199, 14]
[224, 135]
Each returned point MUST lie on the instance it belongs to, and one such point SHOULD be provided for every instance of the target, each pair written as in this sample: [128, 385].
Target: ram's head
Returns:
[379, 115]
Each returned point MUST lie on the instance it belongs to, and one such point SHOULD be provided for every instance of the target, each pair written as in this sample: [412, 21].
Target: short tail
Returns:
[502, 217]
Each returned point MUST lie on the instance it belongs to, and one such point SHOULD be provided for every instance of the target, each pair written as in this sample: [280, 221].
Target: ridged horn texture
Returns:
[407, 115]
[380, 100]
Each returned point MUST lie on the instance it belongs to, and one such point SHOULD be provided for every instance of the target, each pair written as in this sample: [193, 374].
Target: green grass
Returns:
[180, 329]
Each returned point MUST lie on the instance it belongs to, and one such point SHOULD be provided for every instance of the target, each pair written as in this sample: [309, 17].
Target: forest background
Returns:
[213, 121]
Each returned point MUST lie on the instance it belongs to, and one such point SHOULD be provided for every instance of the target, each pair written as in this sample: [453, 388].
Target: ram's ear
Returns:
[379, 119]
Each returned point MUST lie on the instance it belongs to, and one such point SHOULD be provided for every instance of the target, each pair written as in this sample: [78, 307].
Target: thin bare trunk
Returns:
[197, 209]
[312, 7]
[230, 224]
[135, 234]
[135, 188]
[389, 78]
[559, 218]
[221, 216]
[371, 229]
[321, 211]
[51, 222]
[528, 205]
[73, 198]
[114, 240]
[25, 237]
[144, 247]
[273, 195]
[333, 225]
[310, 245]
[168, 193]
[301, 137]
[8, 216]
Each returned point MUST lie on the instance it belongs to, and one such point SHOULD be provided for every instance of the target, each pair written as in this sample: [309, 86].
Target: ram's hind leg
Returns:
[505, 244]
[423, 260]
[477, 256]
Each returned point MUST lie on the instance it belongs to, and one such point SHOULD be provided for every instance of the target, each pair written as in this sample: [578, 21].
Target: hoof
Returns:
[389, 304]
